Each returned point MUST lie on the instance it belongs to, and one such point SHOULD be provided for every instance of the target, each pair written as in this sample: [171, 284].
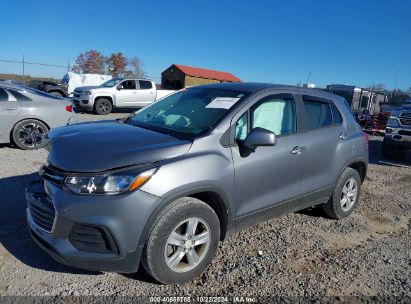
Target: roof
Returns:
[254, 87]
[205, 73]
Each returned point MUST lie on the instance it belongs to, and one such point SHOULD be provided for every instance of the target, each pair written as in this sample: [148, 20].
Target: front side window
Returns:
[273, 113]
[317, 114]
[129, 85]
[190, 112]
[145, 85]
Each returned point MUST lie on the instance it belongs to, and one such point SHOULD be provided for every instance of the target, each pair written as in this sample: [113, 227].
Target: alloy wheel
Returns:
[187, 245]
[31, 135]
[349, 194]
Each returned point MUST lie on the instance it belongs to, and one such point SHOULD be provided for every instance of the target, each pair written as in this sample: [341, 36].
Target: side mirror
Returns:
[259, 137]
[120, 87]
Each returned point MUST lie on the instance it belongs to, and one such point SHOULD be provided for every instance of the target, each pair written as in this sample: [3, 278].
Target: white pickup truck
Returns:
[119, 93]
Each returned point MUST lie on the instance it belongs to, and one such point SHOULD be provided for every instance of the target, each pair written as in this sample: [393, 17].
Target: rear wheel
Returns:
[103, 106]
[346, 195]
[182, 242]
[29, 134]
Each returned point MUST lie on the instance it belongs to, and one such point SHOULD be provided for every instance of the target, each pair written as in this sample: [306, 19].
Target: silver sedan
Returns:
[26, 115]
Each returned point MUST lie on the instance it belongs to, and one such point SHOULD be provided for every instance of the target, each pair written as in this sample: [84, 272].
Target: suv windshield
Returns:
[190, 111]
[111, 82]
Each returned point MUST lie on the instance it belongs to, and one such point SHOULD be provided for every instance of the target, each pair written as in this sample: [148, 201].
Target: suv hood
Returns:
[86, 88]
[105, 145]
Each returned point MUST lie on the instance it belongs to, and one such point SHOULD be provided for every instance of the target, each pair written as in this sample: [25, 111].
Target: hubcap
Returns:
[31, 135]
[103, 107]
[187, 245]
[349, 194]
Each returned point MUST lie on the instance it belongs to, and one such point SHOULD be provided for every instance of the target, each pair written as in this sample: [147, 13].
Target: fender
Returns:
[186, 190]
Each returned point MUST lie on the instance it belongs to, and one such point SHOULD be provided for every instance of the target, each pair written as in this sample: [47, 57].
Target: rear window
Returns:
[337, 118]
[19, 96]
[318, 114]
[144, 85]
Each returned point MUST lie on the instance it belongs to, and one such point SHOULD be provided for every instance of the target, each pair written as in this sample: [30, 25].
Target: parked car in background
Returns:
[397, 139]
[166, 185]
[53, 88]
[27, 114]
[119, 93]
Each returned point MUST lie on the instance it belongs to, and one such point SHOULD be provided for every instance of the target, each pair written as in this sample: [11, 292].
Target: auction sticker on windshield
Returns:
[222, 102]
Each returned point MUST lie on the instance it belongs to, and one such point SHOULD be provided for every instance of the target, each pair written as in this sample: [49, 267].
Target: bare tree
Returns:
[136, 68]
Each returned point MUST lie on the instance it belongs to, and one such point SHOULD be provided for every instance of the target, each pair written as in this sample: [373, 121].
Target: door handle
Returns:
[342, 136]
[9, 109]
[297, 150]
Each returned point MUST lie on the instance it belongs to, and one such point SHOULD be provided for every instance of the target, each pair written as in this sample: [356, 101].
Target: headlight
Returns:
[110, 183]
[392, 123]
[85, 93]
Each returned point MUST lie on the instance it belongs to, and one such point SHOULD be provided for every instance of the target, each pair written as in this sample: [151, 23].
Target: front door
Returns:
[269, 179]
[127, 96]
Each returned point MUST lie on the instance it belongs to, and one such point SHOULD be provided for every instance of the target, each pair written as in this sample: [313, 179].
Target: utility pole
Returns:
[308, 78]
[23, 66]
[68, 65]
[396, 80]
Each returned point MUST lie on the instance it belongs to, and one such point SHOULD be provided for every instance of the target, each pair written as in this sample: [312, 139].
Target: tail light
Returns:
[69, 108]
[365, 137]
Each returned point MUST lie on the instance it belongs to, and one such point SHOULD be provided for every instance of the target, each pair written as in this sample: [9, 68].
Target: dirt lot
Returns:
[301, 254]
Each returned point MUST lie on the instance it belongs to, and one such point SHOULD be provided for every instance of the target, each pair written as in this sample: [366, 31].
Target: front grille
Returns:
[42, 211]
[53, 175]
[77, 95]
[404, 132]
[405, 118]
[92, 239]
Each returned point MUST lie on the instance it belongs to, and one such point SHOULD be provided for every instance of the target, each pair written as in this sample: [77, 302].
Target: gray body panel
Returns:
[266, 183]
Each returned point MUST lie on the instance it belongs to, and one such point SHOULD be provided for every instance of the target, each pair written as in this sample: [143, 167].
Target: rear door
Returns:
[324, 140]
[9, 108]
[146, 93]
[268, 176]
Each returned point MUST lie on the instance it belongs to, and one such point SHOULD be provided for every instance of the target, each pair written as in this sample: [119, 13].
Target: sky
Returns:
[289, 42]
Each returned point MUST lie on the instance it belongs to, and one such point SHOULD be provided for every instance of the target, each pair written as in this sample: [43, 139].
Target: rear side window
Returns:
[19, 96]
[3, 95]
[317, 114]
[144, 85]
[337, 118]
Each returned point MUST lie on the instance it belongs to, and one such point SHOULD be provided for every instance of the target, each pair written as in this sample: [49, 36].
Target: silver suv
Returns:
[397, 139]
[164, 186]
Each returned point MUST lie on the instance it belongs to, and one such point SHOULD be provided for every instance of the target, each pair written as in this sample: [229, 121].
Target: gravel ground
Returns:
[298, 255]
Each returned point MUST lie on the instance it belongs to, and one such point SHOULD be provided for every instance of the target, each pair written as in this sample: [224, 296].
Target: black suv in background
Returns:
[53, 88]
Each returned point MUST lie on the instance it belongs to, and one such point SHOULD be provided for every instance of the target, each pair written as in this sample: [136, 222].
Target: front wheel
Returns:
[346, 195]
[182, 242]
[103, 106]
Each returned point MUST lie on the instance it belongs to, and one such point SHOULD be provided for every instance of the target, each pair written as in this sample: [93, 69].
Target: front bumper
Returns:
[123, 216]
[84, 102]
[398, 136]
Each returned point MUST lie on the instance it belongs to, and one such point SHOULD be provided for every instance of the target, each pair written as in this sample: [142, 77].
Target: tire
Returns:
[56, 93]
[29, 134]
[337, 207]
[159, 254]
[103, 106]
